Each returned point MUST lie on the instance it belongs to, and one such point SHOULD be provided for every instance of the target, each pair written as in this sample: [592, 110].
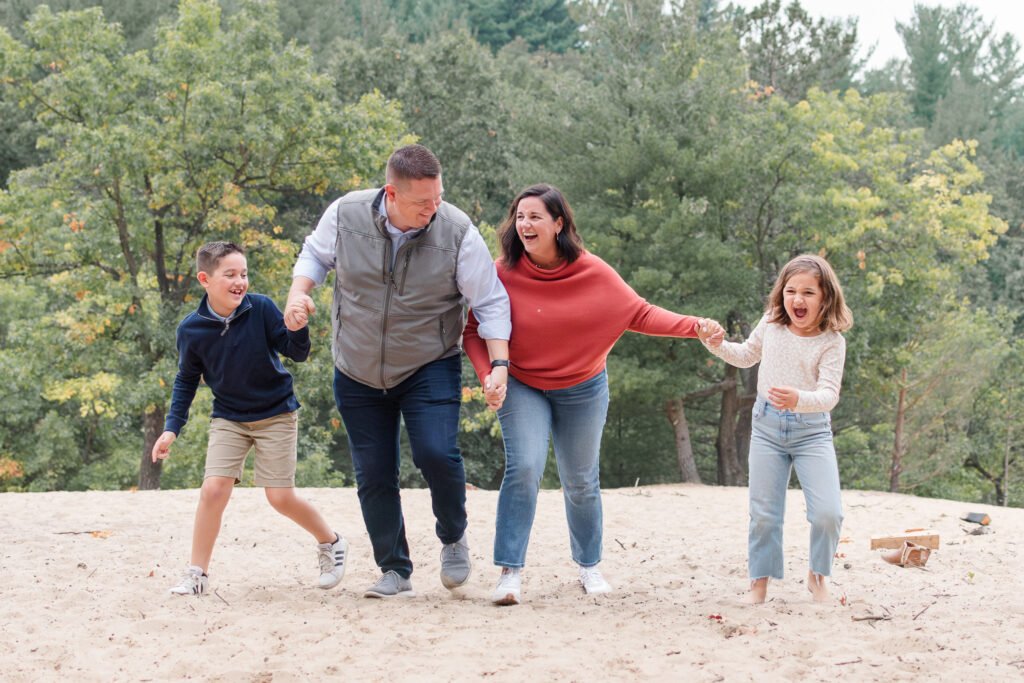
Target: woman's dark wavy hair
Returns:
[568, 241]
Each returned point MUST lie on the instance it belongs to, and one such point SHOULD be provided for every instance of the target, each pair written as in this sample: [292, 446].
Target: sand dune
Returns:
[85, 579]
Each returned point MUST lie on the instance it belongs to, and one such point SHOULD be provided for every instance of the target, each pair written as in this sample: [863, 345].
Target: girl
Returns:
[802, 353]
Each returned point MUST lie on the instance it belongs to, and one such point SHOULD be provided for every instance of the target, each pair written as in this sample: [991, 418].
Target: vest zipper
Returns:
[389, 281]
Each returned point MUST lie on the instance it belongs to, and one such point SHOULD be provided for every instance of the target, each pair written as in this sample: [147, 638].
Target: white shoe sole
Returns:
[382, 596]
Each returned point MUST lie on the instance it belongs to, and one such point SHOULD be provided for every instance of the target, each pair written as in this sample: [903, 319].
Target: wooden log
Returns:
[925, 537]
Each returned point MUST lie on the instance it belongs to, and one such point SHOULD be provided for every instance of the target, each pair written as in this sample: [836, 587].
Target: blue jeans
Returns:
[780, 441]
[429, 403]
[575, 418]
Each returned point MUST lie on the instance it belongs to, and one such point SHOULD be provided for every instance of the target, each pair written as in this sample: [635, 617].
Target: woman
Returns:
[568, 309]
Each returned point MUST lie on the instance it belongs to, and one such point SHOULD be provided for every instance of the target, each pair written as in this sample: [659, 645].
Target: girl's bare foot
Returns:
[816, 585]
[758, 591]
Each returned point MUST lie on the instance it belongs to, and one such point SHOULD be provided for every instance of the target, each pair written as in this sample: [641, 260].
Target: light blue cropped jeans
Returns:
[529, 418]
[780, 441]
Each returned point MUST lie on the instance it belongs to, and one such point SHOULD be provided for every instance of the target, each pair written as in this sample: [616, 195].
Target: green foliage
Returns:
[790, 52]
[150, 154]
[700, 149]
[541, 24]
[450, 96]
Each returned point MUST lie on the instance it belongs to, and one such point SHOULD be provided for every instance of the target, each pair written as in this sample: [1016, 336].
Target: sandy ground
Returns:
[85, 579]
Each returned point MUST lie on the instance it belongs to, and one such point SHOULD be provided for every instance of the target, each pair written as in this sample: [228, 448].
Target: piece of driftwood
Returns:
[925, 537]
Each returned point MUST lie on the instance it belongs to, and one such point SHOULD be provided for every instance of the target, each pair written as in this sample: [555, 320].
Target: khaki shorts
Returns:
[274, 440]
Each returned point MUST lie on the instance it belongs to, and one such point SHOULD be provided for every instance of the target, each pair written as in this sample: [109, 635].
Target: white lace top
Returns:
[814, 365]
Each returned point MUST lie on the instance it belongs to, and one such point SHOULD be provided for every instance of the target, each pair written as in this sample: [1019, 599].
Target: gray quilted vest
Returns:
[388, 324]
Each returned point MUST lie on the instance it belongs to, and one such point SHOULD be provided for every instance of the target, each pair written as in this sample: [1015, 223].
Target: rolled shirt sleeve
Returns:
[477, 279]
[316, 260]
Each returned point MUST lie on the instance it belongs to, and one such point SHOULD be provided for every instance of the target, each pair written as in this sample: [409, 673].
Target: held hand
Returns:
[297, 311]
[495, 386]
[710, 332]
[162, 447]
[783, 398]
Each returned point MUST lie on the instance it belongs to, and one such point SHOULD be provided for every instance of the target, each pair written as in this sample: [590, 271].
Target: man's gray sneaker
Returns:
[455, 564]
[391, 585]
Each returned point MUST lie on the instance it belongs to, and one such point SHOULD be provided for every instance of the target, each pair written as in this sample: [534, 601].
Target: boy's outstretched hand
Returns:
[162, 447]
[710, 332]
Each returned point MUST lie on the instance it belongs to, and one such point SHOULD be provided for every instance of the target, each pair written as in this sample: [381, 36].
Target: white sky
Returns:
[876, 19]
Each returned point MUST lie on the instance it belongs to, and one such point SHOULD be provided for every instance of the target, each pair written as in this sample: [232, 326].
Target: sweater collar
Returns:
[207, 313]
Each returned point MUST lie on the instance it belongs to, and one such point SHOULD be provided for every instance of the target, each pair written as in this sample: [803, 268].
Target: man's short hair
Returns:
[412, 162]
[210, 254]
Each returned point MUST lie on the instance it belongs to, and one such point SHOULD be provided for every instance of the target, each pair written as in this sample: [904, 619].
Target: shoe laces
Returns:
[591, 576]
[509, 579]
[190, 579]
[326, 558]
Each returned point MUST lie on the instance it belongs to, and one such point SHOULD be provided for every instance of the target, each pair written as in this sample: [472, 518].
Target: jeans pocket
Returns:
[816, 420]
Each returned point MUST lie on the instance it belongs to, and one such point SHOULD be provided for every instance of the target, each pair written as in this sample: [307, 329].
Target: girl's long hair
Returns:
[834, 314]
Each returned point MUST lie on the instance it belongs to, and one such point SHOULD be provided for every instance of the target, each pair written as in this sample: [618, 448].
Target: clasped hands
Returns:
[711, 333]
[297, 310]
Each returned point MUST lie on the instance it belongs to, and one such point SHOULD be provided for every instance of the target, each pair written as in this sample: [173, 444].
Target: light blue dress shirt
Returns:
[476, 276]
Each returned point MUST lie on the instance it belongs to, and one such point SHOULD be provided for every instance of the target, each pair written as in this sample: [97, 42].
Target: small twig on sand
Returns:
[620, 544]
[921, 612]
[873, 617]
[221, 599]
[852, 661]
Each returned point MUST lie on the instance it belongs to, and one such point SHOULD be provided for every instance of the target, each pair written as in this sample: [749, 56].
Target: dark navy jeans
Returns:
[428, 402]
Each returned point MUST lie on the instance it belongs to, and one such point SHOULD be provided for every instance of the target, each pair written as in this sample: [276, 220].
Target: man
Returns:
[405, 262]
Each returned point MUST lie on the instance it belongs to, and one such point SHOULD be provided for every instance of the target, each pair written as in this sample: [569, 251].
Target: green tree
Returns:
[542, 24]
[995, 436]
[452, 99]
[791, 52]
[150, 154]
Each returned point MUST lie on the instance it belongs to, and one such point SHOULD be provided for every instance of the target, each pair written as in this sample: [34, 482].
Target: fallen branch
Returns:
[921, 612]
[221, 599]
[873, 617]
[620, 544]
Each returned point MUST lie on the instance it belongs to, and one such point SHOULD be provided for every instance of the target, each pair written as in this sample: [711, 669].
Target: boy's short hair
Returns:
[210, 254]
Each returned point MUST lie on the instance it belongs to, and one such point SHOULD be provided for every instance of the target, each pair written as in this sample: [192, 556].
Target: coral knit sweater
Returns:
[566, 320]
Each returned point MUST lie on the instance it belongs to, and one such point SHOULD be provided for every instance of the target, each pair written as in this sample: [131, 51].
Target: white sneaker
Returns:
[331, 557]
[509, 586]
[593, 582]
[193, 582]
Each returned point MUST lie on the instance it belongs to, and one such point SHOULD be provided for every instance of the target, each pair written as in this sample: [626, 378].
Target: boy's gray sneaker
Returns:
[391, 585]
[331, 557]
[193, 582]
[455, 564]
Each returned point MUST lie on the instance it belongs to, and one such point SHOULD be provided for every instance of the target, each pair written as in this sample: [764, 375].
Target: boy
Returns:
[232, 341]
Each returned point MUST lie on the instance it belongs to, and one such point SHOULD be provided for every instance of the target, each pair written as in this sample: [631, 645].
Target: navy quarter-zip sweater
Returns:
[238, 360]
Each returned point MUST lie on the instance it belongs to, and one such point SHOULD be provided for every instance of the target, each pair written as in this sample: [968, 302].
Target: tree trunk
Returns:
[149, 471]
[676, 413]
[1003, 493]
[729, 471]
[899, 449]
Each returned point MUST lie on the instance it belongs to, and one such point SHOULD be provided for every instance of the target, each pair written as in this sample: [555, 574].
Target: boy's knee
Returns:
[216, 491]
[279, 496]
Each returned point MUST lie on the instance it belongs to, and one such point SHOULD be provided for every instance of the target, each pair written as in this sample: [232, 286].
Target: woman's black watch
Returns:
[500, 363]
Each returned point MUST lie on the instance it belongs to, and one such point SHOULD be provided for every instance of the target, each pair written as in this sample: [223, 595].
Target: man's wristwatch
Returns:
[500, 363]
